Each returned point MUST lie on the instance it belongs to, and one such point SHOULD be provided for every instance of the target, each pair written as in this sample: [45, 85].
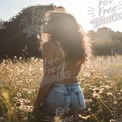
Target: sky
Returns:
[85, 11]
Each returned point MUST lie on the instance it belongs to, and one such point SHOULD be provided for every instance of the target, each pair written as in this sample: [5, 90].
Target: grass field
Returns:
[101, 81]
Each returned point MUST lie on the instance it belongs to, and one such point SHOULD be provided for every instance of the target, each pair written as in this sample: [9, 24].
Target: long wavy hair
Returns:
[63, 27]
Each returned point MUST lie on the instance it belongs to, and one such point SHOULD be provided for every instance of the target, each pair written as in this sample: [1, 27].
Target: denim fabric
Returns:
[64, 96]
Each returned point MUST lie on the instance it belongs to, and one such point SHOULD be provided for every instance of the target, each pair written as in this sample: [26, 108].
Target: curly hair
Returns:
[63, 27]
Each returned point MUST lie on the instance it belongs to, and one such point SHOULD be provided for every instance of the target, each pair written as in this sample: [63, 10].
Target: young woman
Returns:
[63, 54]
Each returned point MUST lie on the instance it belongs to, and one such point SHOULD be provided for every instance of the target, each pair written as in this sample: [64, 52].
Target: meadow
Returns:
[100, 78]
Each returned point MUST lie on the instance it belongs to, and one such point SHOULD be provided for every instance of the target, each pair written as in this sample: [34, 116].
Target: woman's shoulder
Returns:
[48, 48]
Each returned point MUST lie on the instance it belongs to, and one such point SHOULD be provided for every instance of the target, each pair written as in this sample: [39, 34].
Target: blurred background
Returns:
[20, 21]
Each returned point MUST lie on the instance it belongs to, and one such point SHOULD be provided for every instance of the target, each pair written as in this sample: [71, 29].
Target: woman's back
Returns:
[67, 68]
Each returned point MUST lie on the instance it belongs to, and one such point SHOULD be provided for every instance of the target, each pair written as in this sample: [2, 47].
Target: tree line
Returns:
[106, 42]
[18, 35]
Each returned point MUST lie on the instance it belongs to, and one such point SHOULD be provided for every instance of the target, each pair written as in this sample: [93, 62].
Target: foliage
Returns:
[106, 42]
[18, 37]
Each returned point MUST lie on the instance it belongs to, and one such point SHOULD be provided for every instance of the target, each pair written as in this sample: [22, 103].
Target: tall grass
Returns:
[101, 81]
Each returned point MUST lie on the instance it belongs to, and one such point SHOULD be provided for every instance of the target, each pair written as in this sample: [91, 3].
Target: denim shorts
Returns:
[64, 96]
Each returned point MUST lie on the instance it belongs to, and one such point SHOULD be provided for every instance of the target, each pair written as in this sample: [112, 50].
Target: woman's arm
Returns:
[48, 64]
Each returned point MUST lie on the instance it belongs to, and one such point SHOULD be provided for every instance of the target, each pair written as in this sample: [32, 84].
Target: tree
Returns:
[18, 38]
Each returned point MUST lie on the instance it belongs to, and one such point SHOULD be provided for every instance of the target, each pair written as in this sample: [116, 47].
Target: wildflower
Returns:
[108, 81]
[101, 90]
[20, 100]
[101, 82]
[15, 57]
[119, 93]
[89, 109]
[82, 79]
[91, 86]
[24, 100]
[20, 58]
[86, 84]
[96, 90]
[87, 74]
[41, 61]
[19, 94]
[90, 100]
[23, 108]
[15, 99]
[28, 101]
[95, 77]
[32, 58]
[107, 87]
[95, 95]
[115, 102]
[57, 119]
[30, 108]
[109, 94]
[121, 90]
[20, 81]
[112, 120]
